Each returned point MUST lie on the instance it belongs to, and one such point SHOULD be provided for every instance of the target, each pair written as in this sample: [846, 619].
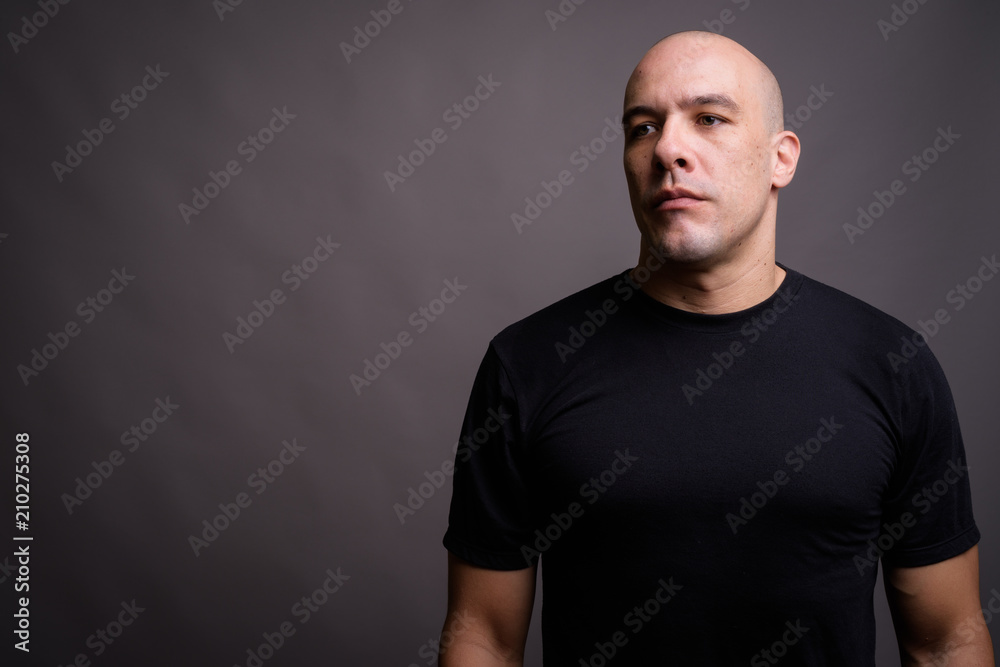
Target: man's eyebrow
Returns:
[711, 99]
[634, 111]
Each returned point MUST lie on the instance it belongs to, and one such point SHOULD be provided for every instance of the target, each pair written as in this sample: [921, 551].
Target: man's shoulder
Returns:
[851, 311]
[549, 324]
[871, 335]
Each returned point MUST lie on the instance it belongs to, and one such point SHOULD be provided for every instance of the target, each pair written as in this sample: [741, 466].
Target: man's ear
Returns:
[787, 147]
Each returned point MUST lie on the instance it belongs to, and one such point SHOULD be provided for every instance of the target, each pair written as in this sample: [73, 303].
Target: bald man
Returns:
[710, 453]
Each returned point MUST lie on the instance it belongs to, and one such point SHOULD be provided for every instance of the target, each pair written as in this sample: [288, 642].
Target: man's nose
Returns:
[672, 149]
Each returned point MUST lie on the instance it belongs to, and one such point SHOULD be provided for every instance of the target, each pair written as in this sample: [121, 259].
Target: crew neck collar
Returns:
[721, 322]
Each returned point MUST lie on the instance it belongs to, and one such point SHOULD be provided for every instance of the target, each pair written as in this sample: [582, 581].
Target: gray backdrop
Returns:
[166, 360]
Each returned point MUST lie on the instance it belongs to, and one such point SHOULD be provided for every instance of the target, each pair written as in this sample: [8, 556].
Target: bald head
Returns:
[682, 49]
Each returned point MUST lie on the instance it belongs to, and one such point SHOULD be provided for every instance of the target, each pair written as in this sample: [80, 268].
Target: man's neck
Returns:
[720, 289]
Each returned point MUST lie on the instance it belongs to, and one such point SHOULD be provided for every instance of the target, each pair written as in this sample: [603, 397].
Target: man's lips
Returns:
[675, 199]
[678, 202]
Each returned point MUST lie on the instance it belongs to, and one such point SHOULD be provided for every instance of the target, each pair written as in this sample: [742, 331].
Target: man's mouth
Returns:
[675, 198]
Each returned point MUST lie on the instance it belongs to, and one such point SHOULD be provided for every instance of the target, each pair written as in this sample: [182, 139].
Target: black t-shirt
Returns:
[709, 489]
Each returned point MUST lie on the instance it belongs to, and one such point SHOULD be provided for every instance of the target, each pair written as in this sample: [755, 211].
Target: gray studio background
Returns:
[224, 71]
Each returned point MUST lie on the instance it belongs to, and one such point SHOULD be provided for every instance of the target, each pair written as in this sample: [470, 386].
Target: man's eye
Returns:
[711, 118]
[642, 129]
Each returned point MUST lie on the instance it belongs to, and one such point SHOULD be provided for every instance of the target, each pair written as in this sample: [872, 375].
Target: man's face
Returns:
[696, 124]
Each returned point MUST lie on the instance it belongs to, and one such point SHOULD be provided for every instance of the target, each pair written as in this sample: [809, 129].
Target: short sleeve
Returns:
[491, 509]
[929, 512]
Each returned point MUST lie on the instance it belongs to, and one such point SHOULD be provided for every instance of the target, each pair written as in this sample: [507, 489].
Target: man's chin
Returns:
[683, 246]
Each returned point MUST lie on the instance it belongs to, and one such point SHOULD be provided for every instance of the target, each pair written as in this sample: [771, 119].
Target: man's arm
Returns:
[937, 615]
[488, 615]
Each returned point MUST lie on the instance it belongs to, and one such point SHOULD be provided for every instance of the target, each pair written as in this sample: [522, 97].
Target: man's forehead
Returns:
[678, 73]
[688, 89]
